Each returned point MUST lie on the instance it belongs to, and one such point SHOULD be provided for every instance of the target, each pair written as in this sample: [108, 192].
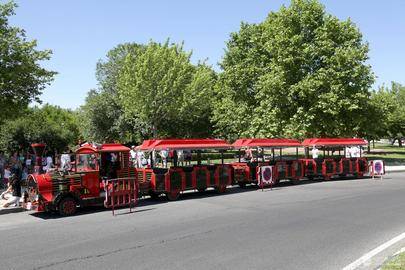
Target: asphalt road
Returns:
[320, 225]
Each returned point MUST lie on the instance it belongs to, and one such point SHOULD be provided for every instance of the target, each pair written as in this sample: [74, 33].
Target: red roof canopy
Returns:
[184, 144]
[147, 144]
[108, 147]
[334, 142]
[269, 143]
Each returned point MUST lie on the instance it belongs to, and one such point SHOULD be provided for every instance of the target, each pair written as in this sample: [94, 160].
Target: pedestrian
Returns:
[15, 165]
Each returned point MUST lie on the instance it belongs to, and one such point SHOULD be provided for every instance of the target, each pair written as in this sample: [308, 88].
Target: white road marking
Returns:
[374, 252]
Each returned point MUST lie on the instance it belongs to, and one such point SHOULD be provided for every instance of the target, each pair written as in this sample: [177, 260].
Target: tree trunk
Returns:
[154, 132]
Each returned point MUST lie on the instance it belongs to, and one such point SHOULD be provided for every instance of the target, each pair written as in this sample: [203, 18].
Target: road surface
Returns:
[318, 225]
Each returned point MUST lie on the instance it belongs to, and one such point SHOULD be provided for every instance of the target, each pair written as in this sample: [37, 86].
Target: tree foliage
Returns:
[168, 96]
[102, 117]
[389, 103]
[22, 79]
[52, 125]
[300, 73]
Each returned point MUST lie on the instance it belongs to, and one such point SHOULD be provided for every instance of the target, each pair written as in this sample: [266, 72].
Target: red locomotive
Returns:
[83, 184]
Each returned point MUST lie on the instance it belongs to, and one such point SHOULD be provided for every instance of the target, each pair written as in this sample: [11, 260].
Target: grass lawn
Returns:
[392, 155]
[396, 263]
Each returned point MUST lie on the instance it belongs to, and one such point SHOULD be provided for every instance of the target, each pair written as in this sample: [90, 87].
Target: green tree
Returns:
[300, 73]
[52, 125]
[390, 119]
[102, 118]
[22, 79]
[170, 97]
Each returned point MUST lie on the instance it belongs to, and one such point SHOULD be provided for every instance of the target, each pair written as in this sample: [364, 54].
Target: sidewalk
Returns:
[395, 168]
[10, 209]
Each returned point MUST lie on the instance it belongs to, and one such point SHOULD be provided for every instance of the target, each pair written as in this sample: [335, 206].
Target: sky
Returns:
[80, 33]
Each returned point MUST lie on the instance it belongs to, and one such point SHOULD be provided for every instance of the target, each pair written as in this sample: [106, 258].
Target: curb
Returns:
[395, 170]
[11, 210]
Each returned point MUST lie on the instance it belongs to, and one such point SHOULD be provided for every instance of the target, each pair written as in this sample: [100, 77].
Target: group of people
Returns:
[14, 169]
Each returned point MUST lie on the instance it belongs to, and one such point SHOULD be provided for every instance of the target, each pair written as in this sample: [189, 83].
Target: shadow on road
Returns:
[193, 195]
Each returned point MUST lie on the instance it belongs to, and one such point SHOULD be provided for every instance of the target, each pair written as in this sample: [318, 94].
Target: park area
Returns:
[292, 110]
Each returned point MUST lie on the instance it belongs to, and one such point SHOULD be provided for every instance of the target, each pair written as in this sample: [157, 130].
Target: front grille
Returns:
[62, 183]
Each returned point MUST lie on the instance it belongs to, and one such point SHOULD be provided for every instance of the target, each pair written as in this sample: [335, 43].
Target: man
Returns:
[15, 190]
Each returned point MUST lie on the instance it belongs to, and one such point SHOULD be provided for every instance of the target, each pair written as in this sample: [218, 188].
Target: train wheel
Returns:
[153, 195]
[295, 181]
[201, 189]
[67, 207]
[173, 196]
[242, 184]
[220, 189]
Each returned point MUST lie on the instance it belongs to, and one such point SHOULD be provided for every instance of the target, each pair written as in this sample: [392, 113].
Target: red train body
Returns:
[94, 166]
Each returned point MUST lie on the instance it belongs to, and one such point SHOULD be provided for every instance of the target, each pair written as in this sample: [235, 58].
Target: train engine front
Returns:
[55, 191]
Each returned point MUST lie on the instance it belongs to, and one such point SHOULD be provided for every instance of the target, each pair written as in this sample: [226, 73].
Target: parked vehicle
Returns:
[100, 171]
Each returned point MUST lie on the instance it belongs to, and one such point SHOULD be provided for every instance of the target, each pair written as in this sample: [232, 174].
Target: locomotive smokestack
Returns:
[39, 149]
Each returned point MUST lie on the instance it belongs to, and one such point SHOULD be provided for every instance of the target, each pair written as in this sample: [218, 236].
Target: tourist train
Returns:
[110, 175]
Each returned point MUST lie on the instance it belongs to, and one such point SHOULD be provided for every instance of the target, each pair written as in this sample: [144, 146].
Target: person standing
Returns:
[16, 166]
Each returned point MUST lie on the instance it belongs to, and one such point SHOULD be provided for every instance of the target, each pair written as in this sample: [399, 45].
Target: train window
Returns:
[86, 162]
